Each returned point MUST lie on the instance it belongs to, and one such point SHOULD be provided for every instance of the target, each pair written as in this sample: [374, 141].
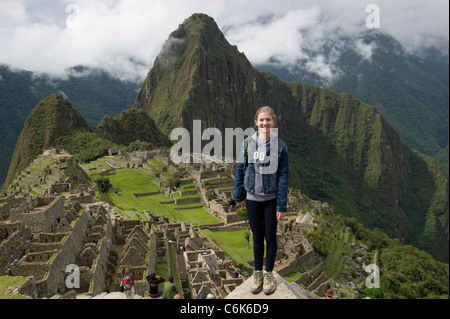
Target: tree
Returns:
[174, 183]
[318, 239]
[103, 184]
[247, 237]
[242, 213]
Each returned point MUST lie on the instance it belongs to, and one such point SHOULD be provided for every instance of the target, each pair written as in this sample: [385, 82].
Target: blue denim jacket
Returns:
[276, 182]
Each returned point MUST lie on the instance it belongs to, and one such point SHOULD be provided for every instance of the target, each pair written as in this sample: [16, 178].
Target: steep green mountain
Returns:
[342, 150]
[93, 93]
[52, 118]
[198, 74]
[442, 158]
[129, 126]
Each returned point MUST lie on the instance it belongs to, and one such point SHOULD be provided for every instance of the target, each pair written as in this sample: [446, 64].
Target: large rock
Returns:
[285, 290]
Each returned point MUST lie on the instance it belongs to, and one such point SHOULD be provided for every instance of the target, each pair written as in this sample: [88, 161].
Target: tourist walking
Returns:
[261, 182]
[127, 284]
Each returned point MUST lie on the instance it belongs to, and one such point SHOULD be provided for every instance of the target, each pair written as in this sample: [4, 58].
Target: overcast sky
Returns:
[53, 35]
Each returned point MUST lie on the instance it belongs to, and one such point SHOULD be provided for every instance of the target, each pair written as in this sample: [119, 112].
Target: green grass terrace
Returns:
[130, 181]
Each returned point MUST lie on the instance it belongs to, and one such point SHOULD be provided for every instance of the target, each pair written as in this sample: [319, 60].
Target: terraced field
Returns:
[339, 247]
[138, 192]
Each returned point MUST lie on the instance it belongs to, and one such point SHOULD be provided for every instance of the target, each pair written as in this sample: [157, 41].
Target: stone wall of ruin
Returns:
[40, 220]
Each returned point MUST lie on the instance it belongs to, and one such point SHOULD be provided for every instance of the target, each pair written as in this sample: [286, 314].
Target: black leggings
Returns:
[262, 217]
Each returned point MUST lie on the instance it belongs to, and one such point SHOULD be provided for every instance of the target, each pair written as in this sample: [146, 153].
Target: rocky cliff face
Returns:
[285, 290]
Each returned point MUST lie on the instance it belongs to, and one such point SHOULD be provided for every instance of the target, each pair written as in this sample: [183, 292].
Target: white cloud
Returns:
[280, 38]
[365, 50]
[319, 66]
[39, 35]
[11, 13]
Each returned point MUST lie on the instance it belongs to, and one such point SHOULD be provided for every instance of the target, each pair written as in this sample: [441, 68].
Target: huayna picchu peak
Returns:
[199, 75]
[342, 151]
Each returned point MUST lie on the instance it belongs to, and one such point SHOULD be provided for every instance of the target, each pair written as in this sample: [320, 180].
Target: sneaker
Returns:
[257, 284]
[269, 283]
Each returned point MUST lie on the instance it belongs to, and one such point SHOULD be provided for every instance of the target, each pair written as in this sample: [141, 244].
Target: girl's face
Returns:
[264, 122]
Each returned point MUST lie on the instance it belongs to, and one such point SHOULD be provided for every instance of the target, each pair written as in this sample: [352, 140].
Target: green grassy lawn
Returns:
[195, 216]
[101, 163]
[129, 181]
[173, 268]
[7, 281]
[293, 276]
[152, 160]
[132, 181]
[162, 270]
[234, 244]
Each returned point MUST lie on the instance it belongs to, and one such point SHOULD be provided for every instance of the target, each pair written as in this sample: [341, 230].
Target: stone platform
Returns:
[285, 290]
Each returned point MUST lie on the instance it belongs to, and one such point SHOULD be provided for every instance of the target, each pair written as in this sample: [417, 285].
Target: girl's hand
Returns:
[280, 215]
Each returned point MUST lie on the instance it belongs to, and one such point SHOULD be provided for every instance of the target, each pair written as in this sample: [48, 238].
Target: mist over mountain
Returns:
[51, 36]
[412, 92]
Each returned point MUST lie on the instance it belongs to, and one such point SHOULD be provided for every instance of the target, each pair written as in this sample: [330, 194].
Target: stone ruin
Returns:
[45, 176]
[55, 232]
[50, 233]
[296, 253]
[208, 273]
[200, 269]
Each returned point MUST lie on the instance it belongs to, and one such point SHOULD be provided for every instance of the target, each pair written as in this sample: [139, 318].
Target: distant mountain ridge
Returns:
[342, 151]
[411, 92]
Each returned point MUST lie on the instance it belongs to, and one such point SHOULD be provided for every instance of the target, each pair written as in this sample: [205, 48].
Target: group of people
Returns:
[237, 273]
[169, 291]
